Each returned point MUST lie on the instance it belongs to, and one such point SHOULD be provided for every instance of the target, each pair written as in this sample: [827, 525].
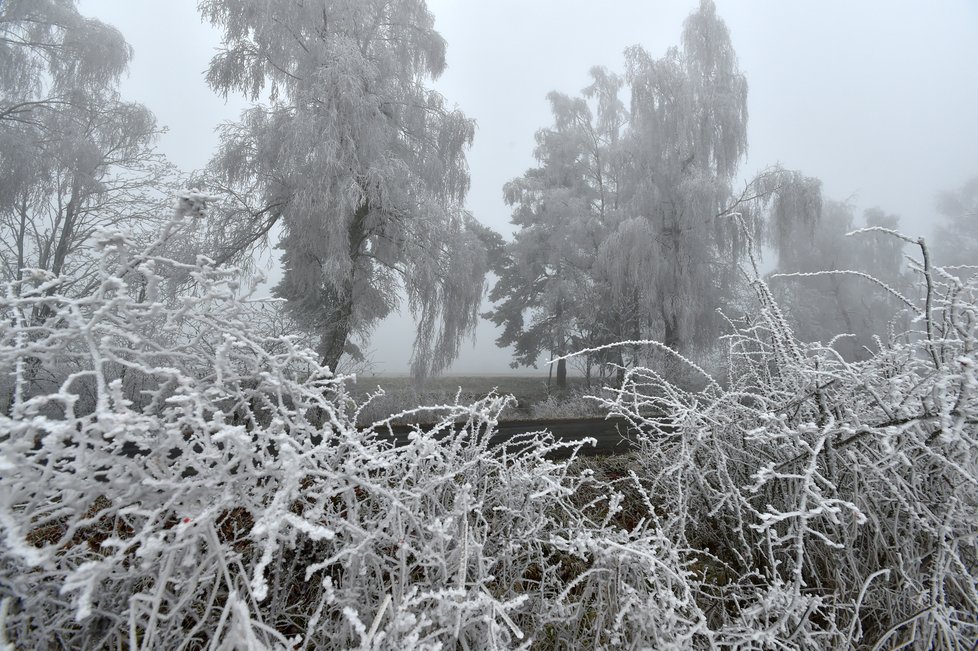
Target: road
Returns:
[608, 432]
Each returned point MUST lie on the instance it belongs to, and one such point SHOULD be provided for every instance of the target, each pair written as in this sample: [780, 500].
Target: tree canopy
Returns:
[956, 234]
[564, 209]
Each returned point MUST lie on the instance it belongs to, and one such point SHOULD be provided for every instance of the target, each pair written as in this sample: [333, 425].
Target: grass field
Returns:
[534, 399]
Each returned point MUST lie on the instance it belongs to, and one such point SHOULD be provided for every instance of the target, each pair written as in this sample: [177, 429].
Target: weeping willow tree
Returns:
[50, 55]
[677, 249]
[361, 165]
[688, 136]
[629, 228]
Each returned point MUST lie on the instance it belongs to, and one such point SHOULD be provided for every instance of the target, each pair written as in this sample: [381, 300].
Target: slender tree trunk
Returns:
[561, 346]
[562, 374]
[67, 235]
[671, 336]
[21, 240]
[853, 342]
[619, 351]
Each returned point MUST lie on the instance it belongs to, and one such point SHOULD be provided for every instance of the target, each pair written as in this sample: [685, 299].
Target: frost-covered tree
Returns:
[643, 198]
[956, 236]
[547, 291]
[826, 279]
[49, 52]
[688, 136]
[74, 157]
[359, 162]
[82, 167]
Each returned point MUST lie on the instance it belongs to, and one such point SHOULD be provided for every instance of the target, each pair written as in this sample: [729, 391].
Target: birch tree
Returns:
[643, 198]
[357, 160]
[688, 137]
[49, 52]
[74, 157]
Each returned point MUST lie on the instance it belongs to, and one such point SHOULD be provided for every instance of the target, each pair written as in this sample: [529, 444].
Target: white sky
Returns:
[878, 98]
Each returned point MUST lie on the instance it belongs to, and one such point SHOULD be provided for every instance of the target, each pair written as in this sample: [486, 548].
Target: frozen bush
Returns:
[569, 404]
[826, 504]
[172, 478]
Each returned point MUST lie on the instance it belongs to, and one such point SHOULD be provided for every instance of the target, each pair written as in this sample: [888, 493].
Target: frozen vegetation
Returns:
[181, 465]
[190, 484]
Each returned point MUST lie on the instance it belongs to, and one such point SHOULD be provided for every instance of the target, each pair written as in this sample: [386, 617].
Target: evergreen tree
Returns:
[549, 298]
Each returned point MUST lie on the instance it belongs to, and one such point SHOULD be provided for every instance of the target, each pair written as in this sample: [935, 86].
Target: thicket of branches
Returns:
[191, 484]
[824, 503]
[176, 473]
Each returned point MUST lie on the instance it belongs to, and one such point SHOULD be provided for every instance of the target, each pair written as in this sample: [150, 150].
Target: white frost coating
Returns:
[195, 500]
[815, 466]
[5, 644]
[83, 581]
[436, 542]
[183, 478]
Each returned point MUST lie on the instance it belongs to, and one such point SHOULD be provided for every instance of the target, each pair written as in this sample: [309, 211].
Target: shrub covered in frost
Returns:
[826, 504]
[170, 478]
[173, 478]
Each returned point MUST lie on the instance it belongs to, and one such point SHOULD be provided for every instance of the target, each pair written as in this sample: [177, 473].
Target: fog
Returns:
[875, 99]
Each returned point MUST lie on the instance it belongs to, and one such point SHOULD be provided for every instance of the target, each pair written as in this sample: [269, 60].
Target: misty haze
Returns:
[407, 324]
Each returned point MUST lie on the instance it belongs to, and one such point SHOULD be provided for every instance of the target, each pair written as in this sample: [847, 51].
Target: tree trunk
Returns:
[562, 374]
[338, 320]
[853, 342]
[67, 235]
[338, 324]
[561, 345]
[672, 338]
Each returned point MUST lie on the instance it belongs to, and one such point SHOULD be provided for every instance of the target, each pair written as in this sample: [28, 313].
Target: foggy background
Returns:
[877, 99]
